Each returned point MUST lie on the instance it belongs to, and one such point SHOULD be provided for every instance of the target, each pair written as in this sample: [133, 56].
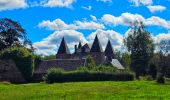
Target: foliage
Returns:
[140, 44]
[90, 62]
[126, 60]
[12, 34]
[160, 78]
[59, 75]
[164, 56]
[23, 58]
[100, 68]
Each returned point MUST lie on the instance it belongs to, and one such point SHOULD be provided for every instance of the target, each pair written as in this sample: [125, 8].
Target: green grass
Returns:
[147, 90]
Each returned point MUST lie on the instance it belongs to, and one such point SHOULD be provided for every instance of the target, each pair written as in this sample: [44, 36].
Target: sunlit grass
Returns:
[86, 90]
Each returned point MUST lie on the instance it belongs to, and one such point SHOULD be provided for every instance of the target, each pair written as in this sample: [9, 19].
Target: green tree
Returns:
[164, 47]
[126, 60]
[140, 44]
[12, 34]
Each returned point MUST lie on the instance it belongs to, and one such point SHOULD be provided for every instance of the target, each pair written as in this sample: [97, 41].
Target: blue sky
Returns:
[47, 21]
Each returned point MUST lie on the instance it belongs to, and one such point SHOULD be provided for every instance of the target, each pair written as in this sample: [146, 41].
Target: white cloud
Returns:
[162, 36]
[87, 7]
[128, 18]
[124, 19]
[105, 1]
[12, 4]
[141, 2]
[58, 24]
[93, 18]
[103, 35]
[58, 3]
[50, 44]
[157, 21]
[156, 8]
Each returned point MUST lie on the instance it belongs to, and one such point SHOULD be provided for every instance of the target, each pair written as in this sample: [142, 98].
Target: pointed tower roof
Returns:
[96, 46]
[63, 49]
[109, 49]
[79, 46]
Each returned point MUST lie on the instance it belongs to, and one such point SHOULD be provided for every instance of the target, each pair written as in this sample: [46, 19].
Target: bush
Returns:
[160, 78]
[101, 68]
[58, 75]
[23, 59]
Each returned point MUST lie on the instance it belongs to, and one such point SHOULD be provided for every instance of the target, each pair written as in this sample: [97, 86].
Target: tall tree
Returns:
[11, 33]
[164, 47]
[140, 44]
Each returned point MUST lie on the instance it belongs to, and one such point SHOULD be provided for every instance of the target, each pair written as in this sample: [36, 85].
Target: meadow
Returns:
[108, 90]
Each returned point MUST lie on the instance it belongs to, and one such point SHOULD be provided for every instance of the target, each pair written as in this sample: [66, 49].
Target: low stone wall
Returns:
[9, 72]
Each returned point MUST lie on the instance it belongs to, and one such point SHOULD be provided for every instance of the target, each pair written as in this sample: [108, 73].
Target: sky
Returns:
[48, 21]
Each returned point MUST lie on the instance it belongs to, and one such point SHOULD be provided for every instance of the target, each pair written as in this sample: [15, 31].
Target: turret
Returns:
[63, 49]
[96, 46]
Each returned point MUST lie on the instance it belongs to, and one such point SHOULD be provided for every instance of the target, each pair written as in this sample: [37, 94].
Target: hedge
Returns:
[82, 76]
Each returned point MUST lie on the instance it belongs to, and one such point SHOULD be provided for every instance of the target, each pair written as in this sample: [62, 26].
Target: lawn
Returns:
[147, 90]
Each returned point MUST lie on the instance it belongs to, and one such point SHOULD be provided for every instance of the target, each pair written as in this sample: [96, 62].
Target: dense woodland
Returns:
[143, 57]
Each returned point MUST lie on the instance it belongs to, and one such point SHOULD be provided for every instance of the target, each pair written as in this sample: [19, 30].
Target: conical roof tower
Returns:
[63, 49]
[109, 51]
[96, 46]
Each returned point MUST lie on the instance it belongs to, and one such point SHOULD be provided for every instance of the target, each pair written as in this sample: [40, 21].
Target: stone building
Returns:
[68, 61]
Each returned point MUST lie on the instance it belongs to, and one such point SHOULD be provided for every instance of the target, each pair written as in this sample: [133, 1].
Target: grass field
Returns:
[147, 90]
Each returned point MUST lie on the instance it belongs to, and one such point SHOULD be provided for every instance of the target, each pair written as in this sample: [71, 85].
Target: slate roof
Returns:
[63, 49]
[117, 64]
[85, 48]
[109, 49]
[96, 46]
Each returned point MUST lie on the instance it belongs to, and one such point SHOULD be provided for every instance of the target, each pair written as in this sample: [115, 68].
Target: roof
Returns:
[85, 48]
[96, 46]
[117, 64]
[63, 49]
[79, 46]
[109, 49]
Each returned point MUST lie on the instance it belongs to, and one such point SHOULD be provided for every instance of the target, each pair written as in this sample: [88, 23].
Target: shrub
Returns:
[58, 75]
[160, 78]
[23, 59]
[101, 68]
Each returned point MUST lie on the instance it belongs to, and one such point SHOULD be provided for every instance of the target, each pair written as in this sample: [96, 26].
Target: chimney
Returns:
[75, 48]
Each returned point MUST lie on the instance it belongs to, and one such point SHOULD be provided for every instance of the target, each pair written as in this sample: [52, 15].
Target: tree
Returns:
[164, 47]
[140, 44]
[126, 60]
[12, 34]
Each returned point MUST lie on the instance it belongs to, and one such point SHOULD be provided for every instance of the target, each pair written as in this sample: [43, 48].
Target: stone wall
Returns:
[9, 72]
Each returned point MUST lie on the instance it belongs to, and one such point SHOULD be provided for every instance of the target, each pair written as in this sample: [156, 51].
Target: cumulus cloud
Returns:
[156, 8]
[50, 44]
[57, 3]
[141, 2]
[12, 4]
[105, 35]
[124, 19]
[157, 21]
[128, 18]
[162, 36]
[58, 24]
